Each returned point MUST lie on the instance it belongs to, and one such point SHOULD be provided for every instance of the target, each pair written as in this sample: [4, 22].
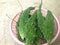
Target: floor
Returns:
[9, 8]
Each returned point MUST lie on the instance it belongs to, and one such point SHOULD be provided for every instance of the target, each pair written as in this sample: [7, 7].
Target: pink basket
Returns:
[14, 33]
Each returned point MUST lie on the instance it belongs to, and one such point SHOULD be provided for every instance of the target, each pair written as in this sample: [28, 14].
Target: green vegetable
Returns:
[30, 30]
[22, 21]
[40, 20]
[48, 27]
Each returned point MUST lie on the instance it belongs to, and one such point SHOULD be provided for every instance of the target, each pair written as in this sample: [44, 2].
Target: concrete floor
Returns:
[11, 8]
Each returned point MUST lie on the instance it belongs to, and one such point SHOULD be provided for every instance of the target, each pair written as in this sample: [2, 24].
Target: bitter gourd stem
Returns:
[20, 4]
[40, 6]
[10, 17]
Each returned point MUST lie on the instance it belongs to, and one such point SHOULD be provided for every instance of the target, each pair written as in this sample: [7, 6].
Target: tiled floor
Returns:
[11, 8]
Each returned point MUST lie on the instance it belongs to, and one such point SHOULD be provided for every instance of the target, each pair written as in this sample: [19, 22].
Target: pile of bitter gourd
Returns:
[32, 28]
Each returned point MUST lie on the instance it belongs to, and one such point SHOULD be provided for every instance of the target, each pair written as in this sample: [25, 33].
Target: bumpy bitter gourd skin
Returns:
[30, 29]
[48, 27]
[22, 21]
[40, 20]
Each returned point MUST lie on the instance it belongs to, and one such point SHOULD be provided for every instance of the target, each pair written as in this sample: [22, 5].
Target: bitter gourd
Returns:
[22, 21]
[48, 27]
